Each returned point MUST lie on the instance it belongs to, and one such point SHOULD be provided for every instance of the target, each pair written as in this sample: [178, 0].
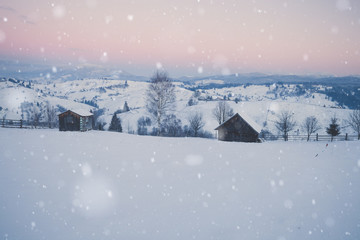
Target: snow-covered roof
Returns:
[81, 112]
[251, 122]
[247, 119]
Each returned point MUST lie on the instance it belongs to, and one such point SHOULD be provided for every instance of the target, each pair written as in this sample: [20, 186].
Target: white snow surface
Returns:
[106, 185]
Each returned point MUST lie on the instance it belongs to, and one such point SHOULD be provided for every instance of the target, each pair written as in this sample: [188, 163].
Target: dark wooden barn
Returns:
[239, 129]
[75, 121]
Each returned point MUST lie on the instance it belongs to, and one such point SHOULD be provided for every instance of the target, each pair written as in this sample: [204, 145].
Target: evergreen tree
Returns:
[126, 107]
[115, 125]
[334, 128]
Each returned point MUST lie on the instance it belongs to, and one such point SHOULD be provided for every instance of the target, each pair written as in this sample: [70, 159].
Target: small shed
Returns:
[239, 129]
[78, 120]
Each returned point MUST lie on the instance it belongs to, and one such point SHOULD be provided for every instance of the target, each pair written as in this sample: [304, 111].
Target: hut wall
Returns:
[237, 130]
[69, 122]
[86, 123]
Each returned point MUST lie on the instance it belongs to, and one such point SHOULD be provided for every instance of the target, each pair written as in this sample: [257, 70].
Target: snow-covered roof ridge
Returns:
[247, 119]
[82, 112]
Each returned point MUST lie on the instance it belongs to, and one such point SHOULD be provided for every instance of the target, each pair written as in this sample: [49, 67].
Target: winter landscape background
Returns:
[109, 185]
[145, 174]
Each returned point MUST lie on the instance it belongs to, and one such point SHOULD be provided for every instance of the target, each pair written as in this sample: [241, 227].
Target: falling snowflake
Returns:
[305, 57]
[130, 17]
[104, 57]
[159, 65]
[59, 11]
[343, 5]
[2, 36]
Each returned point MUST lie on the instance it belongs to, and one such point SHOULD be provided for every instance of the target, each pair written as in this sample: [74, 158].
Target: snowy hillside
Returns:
[98, 185]
[263, 103]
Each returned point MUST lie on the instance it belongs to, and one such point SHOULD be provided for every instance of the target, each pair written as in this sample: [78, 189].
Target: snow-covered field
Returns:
[105, 185]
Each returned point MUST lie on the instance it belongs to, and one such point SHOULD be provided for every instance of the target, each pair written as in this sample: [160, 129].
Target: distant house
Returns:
[239, 129]
[79, 120]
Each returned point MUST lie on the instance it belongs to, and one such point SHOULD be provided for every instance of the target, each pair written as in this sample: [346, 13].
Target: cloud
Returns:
[25, 19]
[7, 9]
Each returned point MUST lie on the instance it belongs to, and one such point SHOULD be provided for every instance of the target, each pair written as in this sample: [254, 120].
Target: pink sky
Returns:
[186, 37]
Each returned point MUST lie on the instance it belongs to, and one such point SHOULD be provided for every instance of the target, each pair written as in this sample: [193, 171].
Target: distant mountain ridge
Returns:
[260, 79]
[38, 72]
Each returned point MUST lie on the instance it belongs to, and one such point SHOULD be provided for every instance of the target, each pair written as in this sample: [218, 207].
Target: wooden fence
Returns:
[16, 123]
[11, 123]
[313, 137]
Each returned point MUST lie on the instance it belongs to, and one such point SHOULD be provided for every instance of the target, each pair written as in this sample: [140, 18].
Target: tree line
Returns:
[286, 123]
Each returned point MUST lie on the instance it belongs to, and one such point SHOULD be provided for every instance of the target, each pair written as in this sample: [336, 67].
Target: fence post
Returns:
[346, 137]
[3, 122]
[21, 123]
[317, 137]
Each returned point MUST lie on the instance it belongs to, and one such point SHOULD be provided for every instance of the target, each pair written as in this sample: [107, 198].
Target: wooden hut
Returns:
[78, 120]
[239, 129]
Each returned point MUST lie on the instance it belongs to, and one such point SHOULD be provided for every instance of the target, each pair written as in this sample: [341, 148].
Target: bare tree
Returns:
[160, 97]
[285, 123]
[196, 122]
[222, 112]
[50, 115]
[310, 125]
[354, 121]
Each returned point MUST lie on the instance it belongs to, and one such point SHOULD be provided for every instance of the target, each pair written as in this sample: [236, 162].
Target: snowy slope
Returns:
[12, 95]
[104, 185]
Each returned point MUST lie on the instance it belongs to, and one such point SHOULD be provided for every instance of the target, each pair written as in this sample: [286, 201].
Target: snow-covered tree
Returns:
[222, 112]
[354, 121]
[310, 125]
[285, 123]
[142, 125]
[171, 126]
[98, 122]
[160, 97]
[35, 116]
[115, 125]
[334, 128]
[194, 99]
